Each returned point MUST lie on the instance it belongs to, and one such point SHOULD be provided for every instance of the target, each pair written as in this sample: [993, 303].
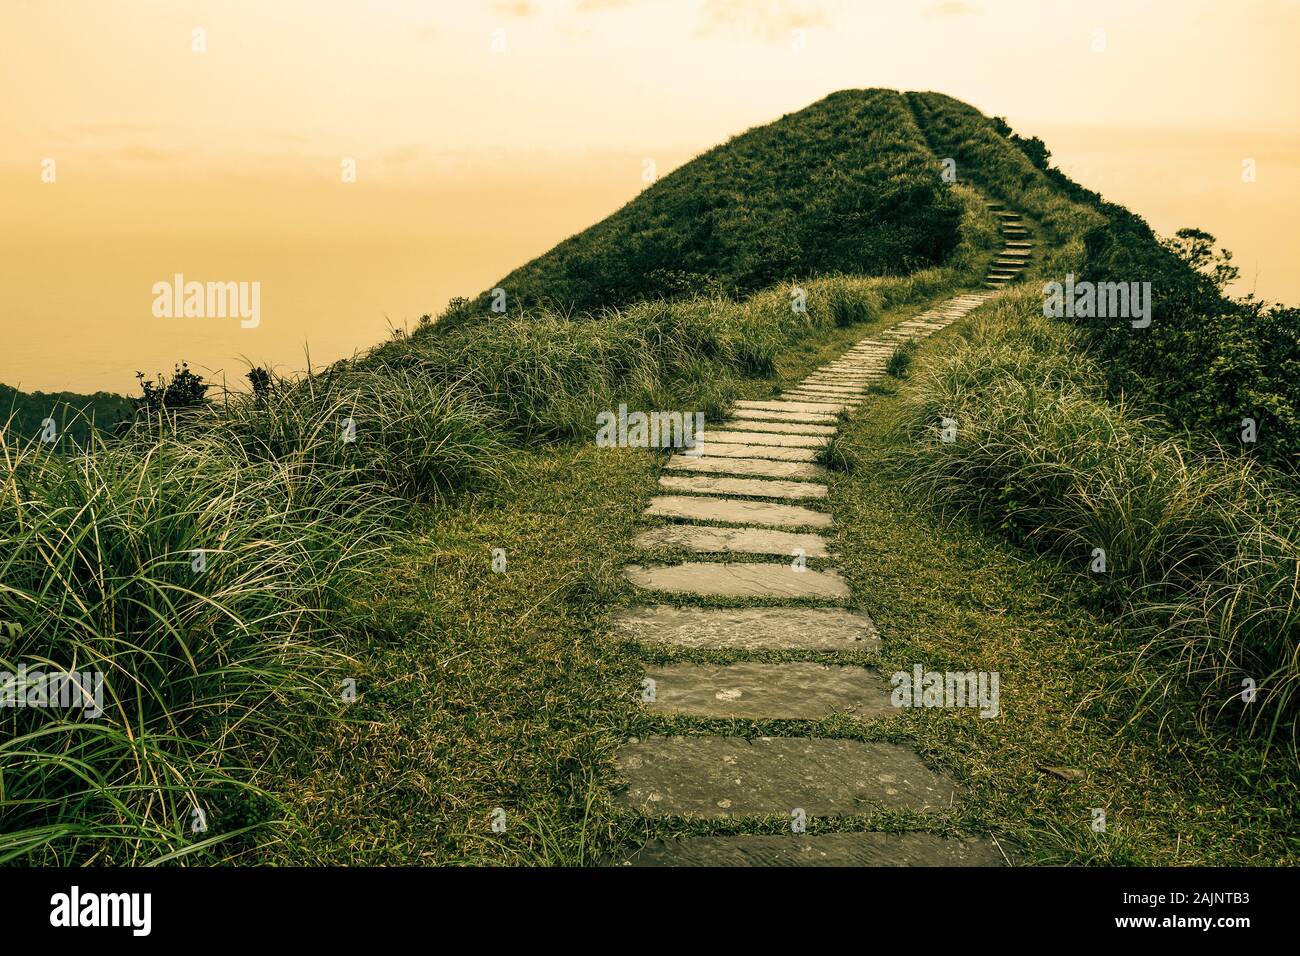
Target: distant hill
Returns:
[25, 412]
[847, 185]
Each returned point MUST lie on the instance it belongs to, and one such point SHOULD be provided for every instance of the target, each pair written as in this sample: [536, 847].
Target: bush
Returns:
[198, 581]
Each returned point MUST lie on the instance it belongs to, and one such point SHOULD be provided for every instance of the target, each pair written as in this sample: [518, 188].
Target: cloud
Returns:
[950, 8]
[515, 9]
[772, 22]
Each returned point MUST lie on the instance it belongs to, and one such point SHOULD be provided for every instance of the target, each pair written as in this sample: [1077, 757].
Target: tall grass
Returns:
[99, 551]
[1202, 552]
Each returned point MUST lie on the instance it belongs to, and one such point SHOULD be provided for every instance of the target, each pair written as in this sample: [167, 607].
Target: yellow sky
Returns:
[485, 132]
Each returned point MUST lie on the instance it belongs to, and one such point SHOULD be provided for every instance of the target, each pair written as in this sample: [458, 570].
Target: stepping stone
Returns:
[806, 418]
[713, 579]
[749, 629]
[819, 849]
[732, 511]
[741, 423]
[745, 487]
[817, 387]
[750, 467]
[719, 449]
[761, 438]
[810, 396]
[754, 691]
[721, 777]
[824, 408]
[690, 537]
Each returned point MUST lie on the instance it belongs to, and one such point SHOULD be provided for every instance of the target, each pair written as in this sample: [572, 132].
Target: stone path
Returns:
[1014, 257]
[752, 499]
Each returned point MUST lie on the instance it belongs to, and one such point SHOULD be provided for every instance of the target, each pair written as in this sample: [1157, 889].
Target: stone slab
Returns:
[824, 408]
[741, 423]
[745, 487]
[819, 849]
[750, 629]
[750, 467]
[721, 777]
[731, 511]
[732, 437]
[767, 415]
[753, 691]
[708, 540]
[739, 580]
[720, 449]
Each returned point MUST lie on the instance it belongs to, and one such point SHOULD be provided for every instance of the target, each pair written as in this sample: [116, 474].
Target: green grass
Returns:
[951, 594]
[1202, 552]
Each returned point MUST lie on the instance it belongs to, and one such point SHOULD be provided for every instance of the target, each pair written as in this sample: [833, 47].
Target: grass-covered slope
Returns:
[1206, 362]
[844, 186]
[26, 412]
[1086, 436]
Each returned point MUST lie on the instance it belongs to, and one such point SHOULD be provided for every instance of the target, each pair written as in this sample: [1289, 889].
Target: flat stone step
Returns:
[819, 387]
[734, 579]
[719, 449]
[734, 437]
[732, 511]
[823, 408]
[750, 628]
[801, 393]
[744, 487]
[754, 691]
[720, 777]
[749, 467]
[740, 423]
[707, 540]
[810, 418]
[819, 849]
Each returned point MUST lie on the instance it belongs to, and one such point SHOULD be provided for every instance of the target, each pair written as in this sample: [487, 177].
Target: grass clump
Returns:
[1199, 551]
[901, 360]
[198, 580]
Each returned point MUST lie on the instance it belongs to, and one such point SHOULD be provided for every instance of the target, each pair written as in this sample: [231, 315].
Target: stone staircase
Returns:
[754, 501]
[1018, 244]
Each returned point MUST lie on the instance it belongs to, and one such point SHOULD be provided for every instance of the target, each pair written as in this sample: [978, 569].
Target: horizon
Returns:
[470, 162]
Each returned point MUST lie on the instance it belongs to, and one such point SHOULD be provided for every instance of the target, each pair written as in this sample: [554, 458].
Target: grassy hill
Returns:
[844, 186]
[74, 415]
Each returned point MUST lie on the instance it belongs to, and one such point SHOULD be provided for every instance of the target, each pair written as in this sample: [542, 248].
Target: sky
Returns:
[211, 138]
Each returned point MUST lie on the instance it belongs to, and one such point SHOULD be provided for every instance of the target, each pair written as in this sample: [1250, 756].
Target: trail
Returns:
[752, 502]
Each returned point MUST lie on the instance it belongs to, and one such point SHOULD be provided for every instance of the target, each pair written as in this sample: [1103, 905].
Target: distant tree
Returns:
[260, 379]
[1196, 248]
[182, 391]
[1033, 147]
